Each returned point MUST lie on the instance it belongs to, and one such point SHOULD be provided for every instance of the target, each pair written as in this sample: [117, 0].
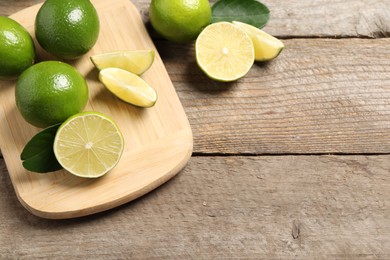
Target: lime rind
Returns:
[136, 62]
[178, 20]
[17, 49]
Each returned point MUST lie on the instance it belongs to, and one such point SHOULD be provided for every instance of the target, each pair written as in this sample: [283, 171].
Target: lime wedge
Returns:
[136, 62]
[224, 52]
[128, 87]
[266, 46]
[88, 144]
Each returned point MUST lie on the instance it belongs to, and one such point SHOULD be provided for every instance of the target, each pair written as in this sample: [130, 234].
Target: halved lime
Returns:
[128, 87]
[88, 144]
[136, 62]
[224, 52]
[266, 46]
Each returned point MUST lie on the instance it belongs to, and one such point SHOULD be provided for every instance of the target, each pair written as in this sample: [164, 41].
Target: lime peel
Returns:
[179, 21]
[17, 50]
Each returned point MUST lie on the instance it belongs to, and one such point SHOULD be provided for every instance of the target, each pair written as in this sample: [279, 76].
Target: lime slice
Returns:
[88, 144]
[136, 62]
[266, 46]
[128, 87]
[224, 52]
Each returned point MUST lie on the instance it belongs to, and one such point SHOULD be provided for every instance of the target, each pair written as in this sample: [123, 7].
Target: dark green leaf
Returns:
[42, 163]
[38, 155]
[247, 11]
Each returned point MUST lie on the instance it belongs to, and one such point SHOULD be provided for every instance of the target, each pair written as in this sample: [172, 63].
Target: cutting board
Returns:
[158, 140]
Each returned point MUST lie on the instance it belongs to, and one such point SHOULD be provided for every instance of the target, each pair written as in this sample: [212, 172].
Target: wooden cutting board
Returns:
[158, 140]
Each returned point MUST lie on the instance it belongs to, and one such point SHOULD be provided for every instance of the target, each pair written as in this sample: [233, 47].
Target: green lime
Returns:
[17, 50]
[50, 92]
[180, 20]
[67, 29]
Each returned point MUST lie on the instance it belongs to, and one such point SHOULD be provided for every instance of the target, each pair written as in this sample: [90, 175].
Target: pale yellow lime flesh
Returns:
[224, 52]
[136, 62]
[266, 46]
[128, 87]
[88, 144]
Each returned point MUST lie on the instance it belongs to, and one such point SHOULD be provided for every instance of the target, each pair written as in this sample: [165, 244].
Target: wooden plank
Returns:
[322, 18]
[318, 96]
[296, 18]
[271, 207]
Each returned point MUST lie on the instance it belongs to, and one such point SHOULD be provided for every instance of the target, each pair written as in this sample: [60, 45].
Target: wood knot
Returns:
[296, 229]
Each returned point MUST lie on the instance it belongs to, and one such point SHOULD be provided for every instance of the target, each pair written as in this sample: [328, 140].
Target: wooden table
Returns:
[290, 162]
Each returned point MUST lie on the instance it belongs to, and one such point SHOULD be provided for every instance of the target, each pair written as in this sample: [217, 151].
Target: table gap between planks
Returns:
[292, 161]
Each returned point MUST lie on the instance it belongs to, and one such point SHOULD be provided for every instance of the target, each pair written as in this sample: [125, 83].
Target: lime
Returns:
[67, 29]
[88, 144]
[128, 87]
[17, 50]
[266, 46]
[49, 92]
[136, 62]
[179, 20]
[224, 52]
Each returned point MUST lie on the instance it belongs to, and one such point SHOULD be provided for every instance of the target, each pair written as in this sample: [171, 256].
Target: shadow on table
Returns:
[13, 211]
[196, 79]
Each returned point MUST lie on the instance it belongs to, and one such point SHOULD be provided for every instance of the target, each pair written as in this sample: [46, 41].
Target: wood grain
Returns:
[318, 96]
[158, 140]
[255, 207]
[323, 18]
[296, 18]
[268, 207]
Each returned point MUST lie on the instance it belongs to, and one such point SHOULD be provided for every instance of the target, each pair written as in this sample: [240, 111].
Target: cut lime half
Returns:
[267, 47]
[136, 62]
[128, 87]
[88, 144]
[224, 52]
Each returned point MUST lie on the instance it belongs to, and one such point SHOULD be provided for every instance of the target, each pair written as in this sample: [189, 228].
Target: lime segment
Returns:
[224, 52]
[266, 46]
[128, 87]
[88, 144]
[136, 62]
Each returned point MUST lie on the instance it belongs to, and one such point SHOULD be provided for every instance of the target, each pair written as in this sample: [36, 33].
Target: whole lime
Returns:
[67, 29]
[50, 92]
[179, 21]
[17, 51]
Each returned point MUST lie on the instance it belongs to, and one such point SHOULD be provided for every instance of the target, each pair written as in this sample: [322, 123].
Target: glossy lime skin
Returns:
[17, 51]
[179, 21]
[67, 29]
[50, 92]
